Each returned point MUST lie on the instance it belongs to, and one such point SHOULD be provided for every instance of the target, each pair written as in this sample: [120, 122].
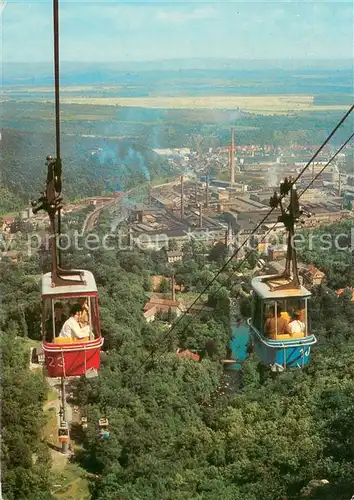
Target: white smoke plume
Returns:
[272, 176]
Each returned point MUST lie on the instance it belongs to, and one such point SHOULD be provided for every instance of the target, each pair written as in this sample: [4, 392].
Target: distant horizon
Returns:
[264, 63]
[126, 30]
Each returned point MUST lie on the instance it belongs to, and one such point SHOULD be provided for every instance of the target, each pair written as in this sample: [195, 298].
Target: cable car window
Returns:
[57, 311]
[257, 312]
[268, 312]
[308, 327]
[93, 306]
[47, 320]
[268, 309]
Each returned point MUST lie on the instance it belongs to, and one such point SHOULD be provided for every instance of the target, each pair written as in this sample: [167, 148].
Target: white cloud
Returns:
[180, 17]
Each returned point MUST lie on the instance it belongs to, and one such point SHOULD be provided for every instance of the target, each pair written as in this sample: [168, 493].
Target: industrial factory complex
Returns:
[199, 205]
[223, 195]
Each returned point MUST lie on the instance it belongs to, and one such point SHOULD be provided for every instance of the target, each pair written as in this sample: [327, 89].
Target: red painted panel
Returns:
[72, 360]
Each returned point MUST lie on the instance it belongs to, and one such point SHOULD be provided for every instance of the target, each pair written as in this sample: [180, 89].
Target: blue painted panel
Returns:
[296, 355]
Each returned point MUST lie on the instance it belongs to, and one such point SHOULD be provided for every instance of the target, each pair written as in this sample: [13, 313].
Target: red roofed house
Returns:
[11, 255]
[187, 354]
[162, 306]
[348, 289]
[149, 315]
[7, 223]
[313, 275]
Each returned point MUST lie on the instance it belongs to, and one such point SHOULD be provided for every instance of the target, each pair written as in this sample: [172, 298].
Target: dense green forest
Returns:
[25, 461]
[177, 429]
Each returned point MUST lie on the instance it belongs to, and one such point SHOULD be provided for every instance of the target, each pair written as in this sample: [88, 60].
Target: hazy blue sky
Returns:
[132, 31]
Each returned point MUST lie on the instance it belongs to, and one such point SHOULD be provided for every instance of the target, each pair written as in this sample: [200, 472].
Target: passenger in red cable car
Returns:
[72, 328]
[84, 312]
[72, 345]
[80, 325]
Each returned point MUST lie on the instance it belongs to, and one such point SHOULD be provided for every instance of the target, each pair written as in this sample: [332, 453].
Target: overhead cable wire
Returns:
[57, 99]
[225, 265]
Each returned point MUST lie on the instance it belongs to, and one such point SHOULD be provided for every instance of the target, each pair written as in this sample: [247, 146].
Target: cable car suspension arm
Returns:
[290, 215]
[50, 200]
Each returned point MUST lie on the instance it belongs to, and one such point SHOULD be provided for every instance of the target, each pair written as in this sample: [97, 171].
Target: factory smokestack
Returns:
[149, 195]
[182, 196]
[232, 157]
[339, 185]
[201, 215]
[130, 237]
[173, 287]
[207, 189]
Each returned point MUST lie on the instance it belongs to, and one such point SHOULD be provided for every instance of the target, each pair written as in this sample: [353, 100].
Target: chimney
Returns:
[339, 185]
[149, 195]
[196, 192]
[207, 189]
[173, 287]
[232, 157]
[200, 215]
[313, 170]
[182, 200]
[130, 237]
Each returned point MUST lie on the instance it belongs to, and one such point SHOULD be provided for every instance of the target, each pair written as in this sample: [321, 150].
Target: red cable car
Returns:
[70, 316]
[70, 356]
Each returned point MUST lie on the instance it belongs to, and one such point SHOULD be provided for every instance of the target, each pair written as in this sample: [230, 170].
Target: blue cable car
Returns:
[103, 426]
[279, 325]
[275, 347]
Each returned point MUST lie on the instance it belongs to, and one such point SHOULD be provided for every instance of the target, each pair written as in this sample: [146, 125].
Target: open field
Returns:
[254, 104]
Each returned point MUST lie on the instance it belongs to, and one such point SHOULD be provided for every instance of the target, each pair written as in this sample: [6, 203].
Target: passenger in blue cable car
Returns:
[296, 325]
[276, 325]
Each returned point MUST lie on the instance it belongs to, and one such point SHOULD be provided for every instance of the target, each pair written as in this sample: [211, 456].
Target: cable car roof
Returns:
[82, 289]
[262, 289]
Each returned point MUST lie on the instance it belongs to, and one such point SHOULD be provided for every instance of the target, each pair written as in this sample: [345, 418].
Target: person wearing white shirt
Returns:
[72, 328]
[295, 325]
